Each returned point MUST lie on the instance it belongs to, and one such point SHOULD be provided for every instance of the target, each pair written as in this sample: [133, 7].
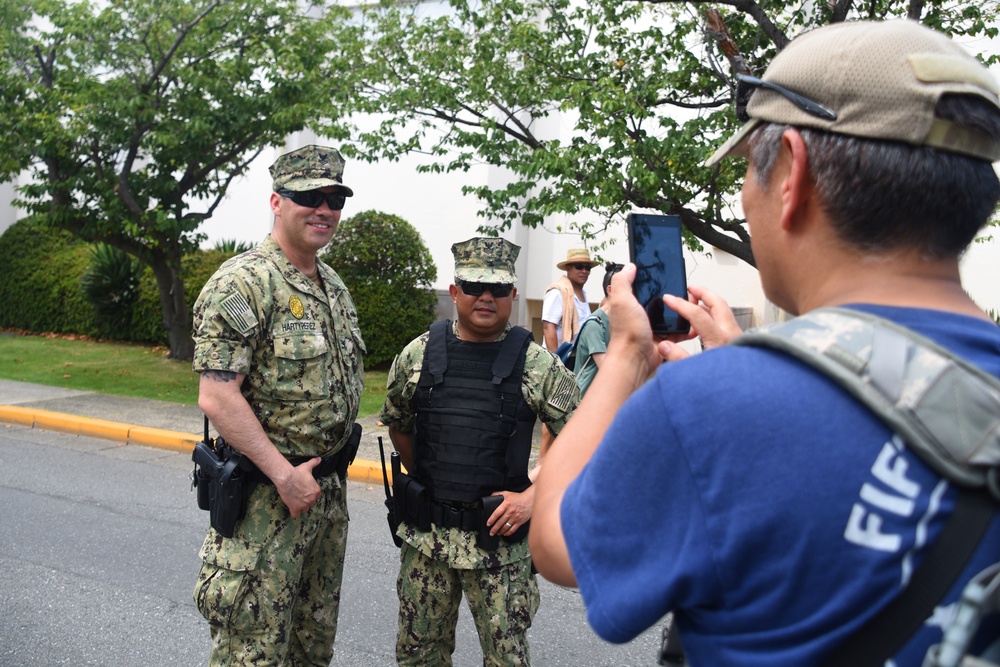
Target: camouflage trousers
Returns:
[503, 601]
[271, 593]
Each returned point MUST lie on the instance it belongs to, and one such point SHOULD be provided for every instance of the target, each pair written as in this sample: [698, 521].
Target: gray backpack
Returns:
[948, 412]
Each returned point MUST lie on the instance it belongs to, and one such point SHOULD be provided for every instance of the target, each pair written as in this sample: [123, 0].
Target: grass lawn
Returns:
[122, 369]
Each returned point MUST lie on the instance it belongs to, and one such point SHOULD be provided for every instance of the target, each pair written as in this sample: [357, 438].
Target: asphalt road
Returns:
[98, 556]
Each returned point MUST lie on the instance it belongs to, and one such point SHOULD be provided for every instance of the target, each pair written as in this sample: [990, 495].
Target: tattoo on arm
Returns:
[219, 376]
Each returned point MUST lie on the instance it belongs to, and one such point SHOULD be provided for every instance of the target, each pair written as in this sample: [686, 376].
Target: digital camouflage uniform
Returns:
[438, 565]
[271, 593]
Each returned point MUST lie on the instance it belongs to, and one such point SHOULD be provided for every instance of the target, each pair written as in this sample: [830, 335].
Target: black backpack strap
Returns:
[437, 350]
[517, 339]
[572, 353]
[885, 633]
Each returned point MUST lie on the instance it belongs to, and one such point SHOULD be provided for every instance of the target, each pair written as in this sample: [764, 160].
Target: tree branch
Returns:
[840, 9]
[185, 30]
[717, 30]
[525, 136]
[749, 7]
[195, 174]
[135, 141]
[46, 64]
[714, 104]
[448, 116]
[221, 191]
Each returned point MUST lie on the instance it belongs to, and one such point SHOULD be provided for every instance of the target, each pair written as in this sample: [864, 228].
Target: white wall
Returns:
[8, 214]
[981, 271]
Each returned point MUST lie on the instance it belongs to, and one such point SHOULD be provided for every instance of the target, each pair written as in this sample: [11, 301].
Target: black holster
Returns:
[671, 651]
[412, 501]
[348, 452]
[483, 539]
[224, 479]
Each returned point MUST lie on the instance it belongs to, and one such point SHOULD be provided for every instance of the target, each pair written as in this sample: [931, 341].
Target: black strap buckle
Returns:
[447, 516]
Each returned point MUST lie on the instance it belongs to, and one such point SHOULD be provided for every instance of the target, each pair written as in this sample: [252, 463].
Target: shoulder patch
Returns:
[238, 313]
[561, 397]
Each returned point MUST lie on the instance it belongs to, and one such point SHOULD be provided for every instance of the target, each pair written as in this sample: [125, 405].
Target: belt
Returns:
[327, 466]
[447, 516]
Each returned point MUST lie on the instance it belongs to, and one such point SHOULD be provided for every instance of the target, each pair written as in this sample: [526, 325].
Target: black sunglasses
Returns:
[498, 290]
[581, 267]
[745, 85]
[315, 198]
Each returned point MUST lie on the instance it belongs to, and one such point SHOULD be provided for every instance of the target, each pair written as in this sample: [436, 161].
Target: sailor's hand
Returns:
[299, 489]
[513, 512]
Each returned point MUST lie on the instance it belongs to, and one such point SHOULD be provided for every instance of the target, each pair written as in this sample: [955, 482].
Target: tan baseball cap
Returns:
[881, 79]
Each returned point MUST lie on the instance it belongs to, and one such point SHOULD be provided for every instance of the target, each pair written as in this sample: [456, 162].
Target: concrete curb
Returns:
[362, 470]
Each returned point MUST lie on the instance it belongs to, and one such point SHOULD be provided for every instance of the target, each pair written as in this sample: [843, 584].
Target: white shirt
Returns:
[552, 310]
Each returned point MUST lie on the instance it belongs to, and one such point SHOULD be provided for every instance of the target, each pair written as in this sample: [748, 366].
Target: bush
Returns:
[233, 246]
[40, 286]
[40, 270]
[111, 284]
[388, 270]
[196, 269]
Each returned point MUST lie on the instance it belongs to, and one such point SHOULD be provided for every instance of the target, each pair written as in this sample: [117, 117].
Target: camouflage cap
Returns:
[309, 168]
[485, 260]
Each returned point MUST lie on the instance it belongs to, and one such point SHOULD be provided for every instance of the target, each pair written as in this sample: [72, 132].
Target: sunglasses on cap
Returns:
[498, 290]
[746, 85]
[315, 198]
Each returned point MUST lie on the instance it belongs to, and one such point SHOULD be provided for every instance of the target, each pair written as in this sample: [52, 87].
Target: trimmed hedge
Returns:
[389, 271]
[40, 271]
[381, 258]
[40, 290]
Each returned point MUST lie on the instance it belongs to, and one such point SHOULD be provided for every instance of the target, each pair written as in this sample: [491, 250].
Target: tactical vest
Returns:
[473, 428]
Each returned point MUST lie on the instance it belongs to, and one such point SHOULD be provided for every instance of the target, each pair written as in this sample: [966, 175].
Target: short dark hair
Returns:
[887, 195]
[610, 269]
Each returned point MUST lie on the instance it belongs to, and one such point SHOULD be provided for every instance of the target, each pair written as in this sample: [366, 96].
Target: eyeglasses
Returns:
[580, 267]
[498, 290]
[745, 86]
[315, 198]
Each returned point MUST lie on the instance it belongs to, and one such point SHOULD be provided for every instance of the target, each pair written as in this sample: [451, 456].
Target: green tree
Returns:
[389, 271]
[603, 106]
[133, 117]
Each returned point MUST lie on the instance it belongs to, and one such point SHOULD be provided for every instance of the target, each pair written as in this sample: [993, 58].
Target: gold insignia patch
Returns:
[295, 305]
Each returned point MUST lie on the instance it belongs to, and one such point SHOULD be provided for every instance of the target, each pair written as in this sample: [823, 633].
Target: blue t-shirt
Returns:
[770, 510]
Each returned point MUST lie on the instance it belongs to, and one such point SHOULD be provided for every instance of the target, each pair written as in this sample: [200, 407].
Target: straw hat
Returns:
[577, 256]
